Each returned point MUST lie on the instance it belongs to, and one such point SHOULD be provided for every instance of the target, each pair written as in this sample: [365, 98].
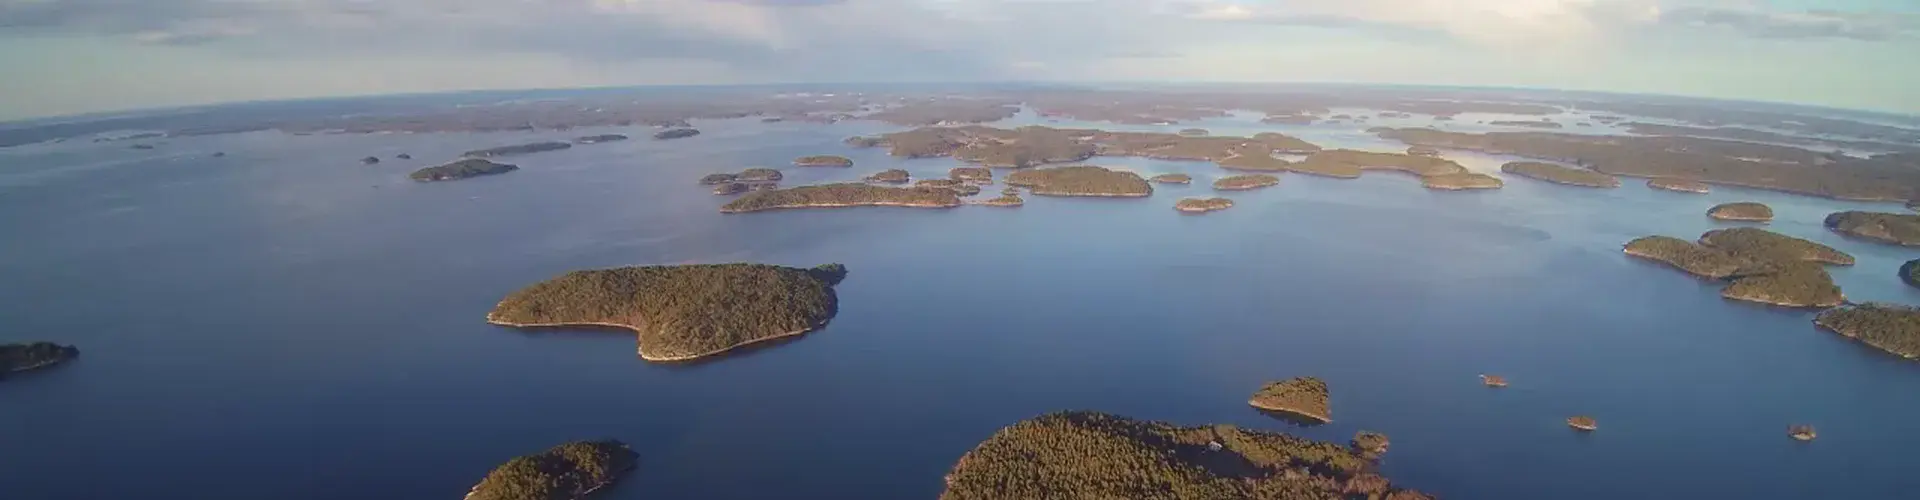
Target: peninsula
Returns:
[1303, 396]
[1097, 455]
[1891, 328]
[1679, 185]
[843, 195]
[1172, 179]
[568, 471]
[519, 149]
[822, 161]
[1081, 181]
[1741, 211]
[675, 133]
[1202, 205]
[1561, 174]
[1245, 182]
[461, 169]
[1894, 229]
[33, 356]
[1461, 182]
[672, 307]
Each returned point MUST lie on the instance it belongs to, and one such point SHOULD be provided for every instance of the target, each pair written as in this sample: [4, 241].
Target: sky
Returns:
[64, 57]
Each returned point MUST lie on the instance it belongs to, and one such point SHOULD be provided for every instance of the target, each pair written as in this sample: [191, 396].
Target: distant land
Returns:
[27, 356]
[844, 195]
[461, 169]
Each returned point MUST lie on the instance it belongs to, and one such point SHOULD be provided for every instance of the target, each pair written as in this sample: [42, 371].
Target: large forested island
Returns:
[682, 312]
[1561, 174]
[1245, 182]
[33, 356]
[1897, 229]
[518, 149]
[1764, 266]
[1081, 181]
[1686, 256]
[844, 195]
[566, 472]
[1348, 164]
[1302, 396]
[1089, 455]
[1891, 328]
[1459, 182]
[461, 169]
[1741, 211]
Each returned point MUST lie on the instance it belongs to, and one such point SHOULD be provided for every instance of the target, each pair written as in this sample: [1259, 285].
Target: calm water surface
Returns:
[286, 323]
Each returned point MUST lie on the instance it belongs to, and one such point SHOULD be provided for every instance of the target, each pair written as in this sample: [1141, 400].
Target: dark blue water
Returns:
[286, 323]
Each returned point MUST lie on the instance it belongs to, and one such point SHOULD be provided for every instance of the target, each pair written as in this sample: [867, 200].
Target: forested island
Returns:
[1910, 273]
[1303, 396]
[461, 169]
[1896, 229]
[1764, 266]
[823, 161]
[1679, 185]
[596, 139]
[1035, 145]
[843, 195]
[1741, 211]
[730, 188]
[977, 175]
[672, 307]
[1561, 174]
[1583, 423]
[759, 174]
[1095, 455]
[568, 471]
[1245, 182]
[890, 176]
[1081, 181]
[1891, 328]
[1202, 205]
[1460, 182]
[1172, 179]
[518, 149]
[1348, 164]
[20, 357]
[676, 133]
[1004, 200]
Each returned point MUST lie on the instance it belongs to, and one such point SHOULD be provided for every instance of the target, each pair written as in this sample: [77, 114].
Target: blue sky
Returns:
[71, 56]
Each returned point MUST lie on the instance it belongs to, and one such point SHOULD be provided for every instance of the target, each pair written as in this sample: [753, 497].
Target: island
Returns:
[1583, 423]
[1081, 181]
[1542, 123]
[1096, 455]
[1193, 132]
[1560, 174]
[890, 176]
[140, 146]
[403, 156]
[823, 161]
[1895, 229]
[26, 356]
[1495, 381]
[1910, 273]
[1348, 164]
[1887, 327]
[1677, 184]
[1245, 182]
[713, 179]
[1370, 444]
[1172, 179]
[569, 471]
[596, 139]
[938, 183]
[730, 188]
[672, 307]
[675, 133]
[370, 160]
[461, 169]
[1423, 151]
[759, 174]
[1202, 205]
[1764, 266]
[1461, 182]
[1741, 211]
[1801, 432]
[1005, 200]
[1760, 244]
[1302, 396]
[519, 149]
[965, 189]
[1287, 119]
[843, 195]
[980, 175]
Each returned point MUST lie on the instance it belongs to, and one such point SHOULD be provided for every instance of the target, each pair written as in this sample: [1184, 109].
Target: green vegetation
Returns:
[518, 149]
[1245, 182]
[992, 147]
[566, 472]
[682, 312]
[1890, 328]
[461, 169]
[1560, 174]
[1081, 181]
[1202, 205]
[1791, 284]
[965, 189]
[1369, 443]
[759, 175]
[937, 183]
[1458, 182]
[890, 176]
[678, 133]
[843, 195]
[1005, 200]
[1583, 422]
[823, 161]
[1087, 455]
[1765, 267]
[1303, 396]
[1348, 163]
[1742, 210]
[595, 139]
[1686, 255]
[1897, 229]
[1763, 245]
[33, 355]
[1172, 179]
[1910, 273]
[713, 179]
[971, 174]
[1681, 185]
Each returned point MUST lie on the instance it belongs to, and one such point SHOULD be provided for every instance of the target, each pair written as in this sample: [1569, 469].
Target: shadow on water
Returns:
[1295, 419]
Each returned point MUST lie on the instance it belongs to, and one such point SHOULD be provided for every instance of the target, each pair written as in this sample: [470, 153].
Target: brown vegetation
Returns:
[1891, 328]
[891, 176]
[1583, 422]
[823, 161]
[1202, 205]
[1681, 185]
[1081, 181]
[1741, 211]
[1303, 396]
[1245, 182]
[1458, 182]
[569, 471]
[1897, 229]
[1172, 179]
